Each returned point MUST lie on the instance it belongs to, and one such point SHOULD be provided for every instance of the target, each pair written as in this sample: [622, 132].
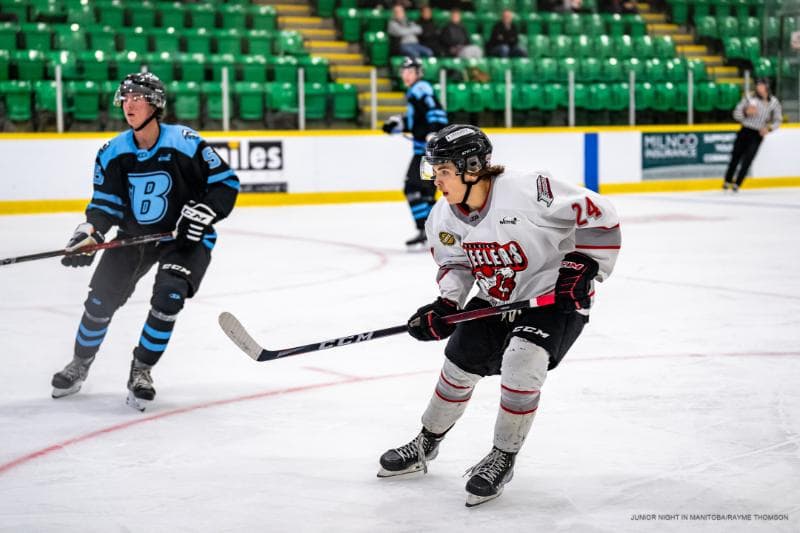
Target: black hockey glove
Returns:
[194, 223]
[574, 282]
[393, 124]
[85, 235]
[427, 324]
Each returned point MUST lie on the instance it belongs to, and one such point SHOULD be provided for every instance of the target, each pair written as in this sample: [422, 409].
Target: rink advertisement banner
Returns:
[255, 163]
[688, 154]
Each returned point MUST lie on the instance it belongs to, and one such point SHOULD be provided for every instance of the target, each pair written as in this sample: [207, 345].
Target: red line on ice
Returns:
[188, 409]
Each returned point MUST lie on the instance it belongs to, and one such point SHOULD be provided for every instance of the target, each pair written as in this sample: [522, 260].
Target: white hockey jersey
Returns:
[513, 245]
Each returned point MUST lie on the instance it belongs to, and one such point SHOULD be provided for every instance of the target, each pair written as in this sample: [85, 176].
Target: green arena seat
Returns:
[728, 27]
[527, 96]
[676, 70]
[143, 14]
[201, 15]
[522, 70]
[17, 96]
[623, 46]
[110, 13]
[166, 39]
[729, 95]
[101, 38]
[705, 96]
[538, 46]
[5, 65]
[83, 15]
[68, 61]
[135, 39]
[262, 17]
[554, 96]
[315, 69]
[664, 95]
[85, 98]
[377, 48]
[259, 42]
[254, 68]
[172, 15]
[316, 100]
[284, 69]
[232, 16]
[351, 23]
[664, 47]
[212, 94]
[127, 63]
[706, 27]
[643, 47]
[198, 40]
[573, 24]
[565, 66]
[190, 67]
[618, 96]
[37, 36]
[282, 97]
[31, 64]
[186, 100]
[611, 69]
[498, 67]
[645, 95]
[217, 62]
[162, 64]
[546, 69]
[95, 65]
[229, 41]
[16, 10]
[345, 101]
[44, 96]
[250, 98]
[532, 23]
[594, 25]
[583, 46]
[561, 46]
[290, 42]
[590, 69]
[457, 97]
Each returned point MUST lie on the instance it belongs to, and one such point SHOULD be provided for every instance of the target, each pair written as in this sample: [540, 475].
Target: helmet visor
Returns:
[131, 91]
[426, 166]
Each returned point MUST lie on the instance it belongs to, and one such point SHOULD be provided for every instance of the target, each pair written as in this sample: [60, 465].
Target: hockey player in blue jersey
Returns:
[424, 116]
[152, 178]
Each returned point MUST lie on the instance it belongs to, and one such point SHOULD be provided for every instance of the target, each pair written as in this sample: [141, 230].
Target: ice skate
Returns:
[69, 380]
[417, 241]
[140, 387]
[411, 457]
[726, 186]
[489, 477]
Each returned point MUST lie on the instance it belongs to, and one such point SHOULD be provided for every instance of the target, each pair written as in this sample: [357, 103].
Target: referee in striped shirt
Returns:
[759, 114]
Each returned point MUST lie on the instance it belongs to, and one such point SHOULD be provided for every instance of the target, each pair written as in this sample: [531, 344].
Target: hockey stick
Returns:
[241, 338]
[118, 243]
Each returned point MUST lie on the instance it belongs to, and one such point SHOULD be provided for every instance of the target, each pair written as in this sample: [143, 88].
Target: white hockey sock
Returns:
[522, 376]
[450, 398]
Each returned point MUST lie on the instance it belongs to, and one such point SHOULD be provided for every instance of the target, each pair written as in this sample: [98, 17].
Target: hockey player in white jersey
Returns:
[519, 236]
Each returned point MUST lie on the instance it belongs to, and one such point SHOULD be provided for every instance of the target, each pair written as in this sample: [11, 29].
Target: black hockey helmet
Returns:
[466, 146]
[146, 84]
[411, 62]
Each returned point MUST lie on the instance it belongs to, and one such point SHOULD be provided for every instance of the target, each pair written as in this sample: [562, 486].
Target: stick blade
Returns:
[236, 332]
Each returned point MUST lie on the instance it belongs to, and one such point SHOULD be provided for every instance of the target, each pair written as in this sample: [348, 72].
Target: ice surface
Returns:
[681, 397]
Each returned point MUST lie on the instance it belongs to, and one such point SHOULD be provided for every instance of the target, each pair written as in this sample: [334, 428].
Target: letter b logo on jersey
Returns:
[148, 194]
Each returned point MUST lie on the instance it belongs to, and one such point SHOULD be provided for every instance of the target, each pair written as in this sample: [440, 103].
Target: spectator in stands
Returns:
[620, 6]
[759, 113]
[430, 32]
[571, 6]
[504, 41]
[455, 39]
[407, 34]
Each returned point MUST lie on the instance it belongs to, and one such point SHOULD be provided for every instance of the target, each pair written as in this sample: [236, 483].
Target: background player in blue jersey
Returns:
[423, 117]
[152, 178]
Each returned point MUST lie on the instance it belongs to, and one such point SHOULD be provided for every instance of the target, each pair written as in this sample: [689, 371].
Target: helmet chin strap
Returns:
[146, 122]
[469, 185]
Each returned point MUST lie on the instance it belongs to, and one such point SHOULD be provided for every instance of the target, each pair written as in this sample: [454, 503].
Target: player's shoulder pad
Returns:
[421, 89]
[119, 145]
[181, 138]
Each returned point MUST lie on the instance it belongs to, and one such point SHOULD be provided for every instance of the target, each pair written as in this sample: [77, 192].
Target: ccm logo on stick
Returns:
[351, 339]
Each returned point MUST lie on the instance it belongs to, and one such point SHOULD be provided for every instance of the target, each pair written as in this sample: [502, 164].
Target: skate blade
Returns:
[60, 393]
[475, 500]
[413, 469]
[137, 403]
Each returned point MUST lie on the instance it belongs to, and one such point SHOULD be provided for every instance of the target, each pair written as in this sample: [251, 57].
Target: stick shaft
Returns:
[117, 243]
[239, 335]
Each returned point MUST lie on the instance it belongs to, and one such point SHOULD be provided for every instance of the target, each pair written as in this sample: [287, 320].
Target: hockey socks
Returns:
[449, 400]
[91, 333]
[155, 337]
